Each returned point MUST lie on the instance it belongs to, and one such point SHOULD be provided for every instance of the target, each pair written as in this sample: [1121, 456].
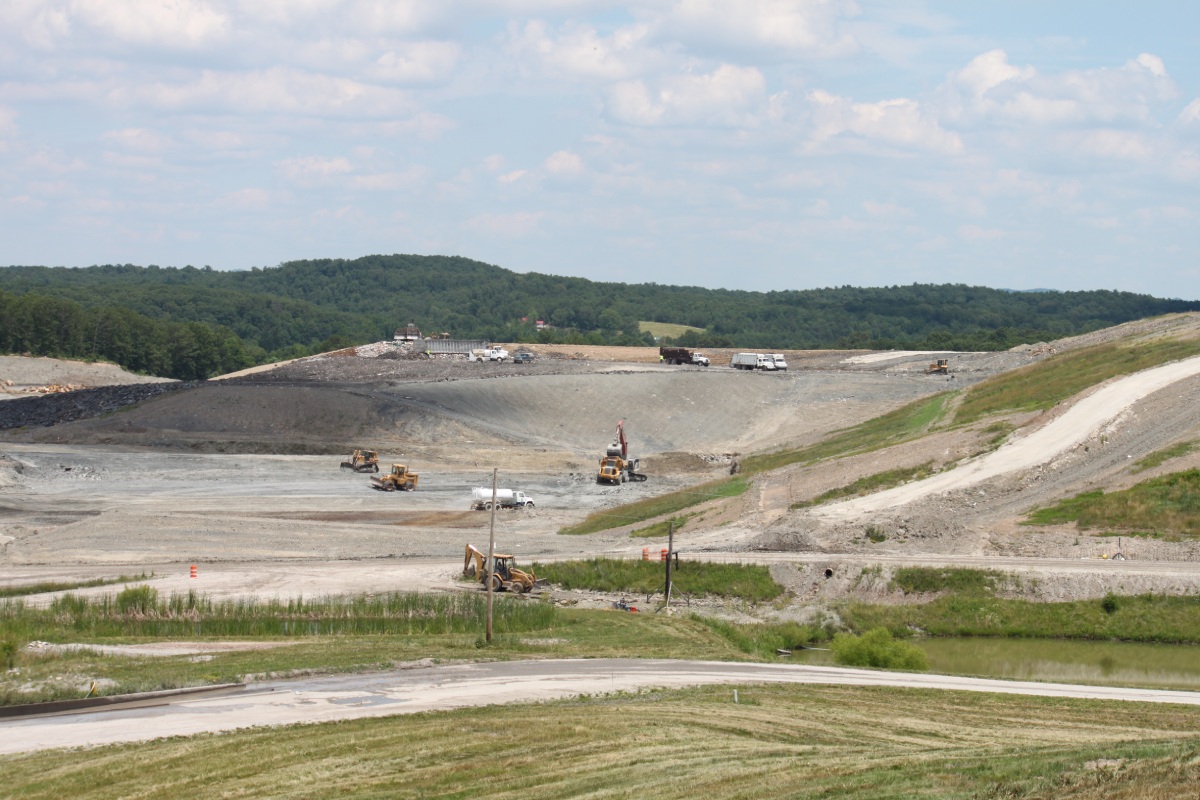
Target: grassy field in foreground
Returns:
[749, 582]
[776, 741]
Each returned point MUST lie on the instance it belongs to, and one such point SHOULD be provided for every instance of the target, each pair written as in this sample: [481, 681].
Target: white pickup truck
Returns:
[489, 354]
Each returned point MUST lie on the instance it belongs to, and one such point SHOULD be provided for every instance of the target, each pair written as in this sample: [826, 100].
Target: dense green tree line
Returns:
[50, 326]
[304, 306]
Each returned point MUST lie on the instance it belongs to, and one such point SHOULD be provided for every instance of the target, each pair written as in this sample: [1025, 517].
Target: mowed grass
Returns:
[668, 329]
[1040, 386]
[906, 422]
[777, 741]
[1168, 505]
[651, 507]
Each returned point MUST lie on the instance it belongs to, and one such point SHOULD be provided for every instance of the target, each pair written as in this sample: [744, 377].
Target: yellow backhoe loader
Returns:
[399, 478]
[505, 575]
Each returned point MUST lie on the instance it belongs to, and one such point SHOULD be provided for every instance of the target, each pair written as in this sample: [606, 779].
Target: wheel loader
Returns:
[363, 461]
[505, 575]
[399, 478]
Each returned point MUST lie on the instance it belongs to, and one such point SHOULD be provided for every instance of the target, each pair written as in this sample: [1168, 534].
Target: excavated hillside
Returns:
[245, 470]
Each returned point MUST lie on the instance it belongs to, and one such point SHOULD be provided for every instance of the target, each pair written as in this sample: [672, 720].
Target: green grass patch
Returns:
[66, 586]
[651, 507]
[1168, 504]
[1040, 386]
[1144, 618]
[749, 582]
[854, 743]
[897, 426]
[662, 528]
[1166, 454]
[668, 329]
[933, 580]
[871, 483]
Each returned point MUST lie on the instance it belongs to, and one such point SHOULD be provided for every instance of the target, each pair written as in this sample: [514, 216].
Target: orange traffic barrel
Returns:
[662, 554]
[645, 554]
[193, 570]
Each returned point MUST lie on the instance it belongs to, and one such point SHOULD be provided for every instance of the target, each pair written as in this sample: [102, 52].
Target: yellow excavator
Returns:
[505, 575]
[616, 466]
[399, 478]
[939, 367]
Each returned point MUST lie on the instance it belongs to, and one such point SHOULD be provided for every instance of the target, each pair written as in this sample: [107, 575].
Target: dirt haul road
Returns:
[443, 687]
[1071, 428]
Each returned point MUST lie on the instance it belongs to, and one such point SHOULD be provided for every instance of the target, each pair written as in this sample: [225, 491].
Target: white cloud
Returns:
[511, 177]
[311, 170]
[388, 181]
[1113, 144]
[728, 96]
[418, 62]
[899, 122]
[990, 88]
[564, 163]
[582, 51]
[161, 23]
[1190, 113]
[278, 90]
[808, 27]
[139, 139]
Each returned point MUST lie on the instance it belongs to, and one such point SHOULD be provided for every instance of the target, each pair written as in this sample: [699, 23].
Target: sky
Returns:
[758, 144]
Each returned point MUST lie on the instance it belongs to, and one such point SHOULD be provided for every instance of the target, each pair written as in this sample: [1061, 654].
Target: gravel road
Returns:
[442, 687]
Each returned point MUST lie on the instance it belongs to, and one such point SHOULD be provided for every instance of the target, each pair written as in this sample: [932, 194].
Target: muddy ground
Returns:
[240, 476]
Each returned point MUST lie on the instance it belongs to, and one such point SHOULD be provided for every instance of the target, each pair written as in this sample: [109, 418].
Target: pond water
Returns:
[1158, 666]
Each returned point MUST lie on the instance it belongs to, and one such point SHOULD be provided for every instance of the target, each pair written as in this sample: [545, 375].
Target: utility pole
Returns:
[491, 559]
[670, 554]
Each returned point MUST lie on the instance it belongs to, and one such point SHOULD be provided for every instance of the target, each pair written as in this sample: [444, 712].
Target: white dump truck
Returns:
[752, 361]
[481, 499]
[489, 354]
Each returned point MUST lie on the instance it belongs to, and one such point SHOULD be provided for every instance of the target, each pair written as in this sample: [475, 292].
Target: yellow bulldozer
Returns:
[939, 367]
[363, 461]
[505, 575]
[399, 478]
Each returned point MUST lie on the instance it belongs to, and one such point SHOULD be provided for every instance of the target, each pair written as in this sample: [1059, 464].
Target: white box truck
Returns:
[481, 499]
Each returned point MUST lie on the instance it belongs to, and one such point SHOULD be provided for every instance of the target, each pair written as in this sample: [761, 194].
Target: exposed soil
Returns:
[241, 475]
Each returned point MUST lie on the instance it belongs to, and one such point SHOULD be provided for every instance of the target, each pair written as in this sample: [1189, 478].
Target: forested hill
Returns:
[307, 306]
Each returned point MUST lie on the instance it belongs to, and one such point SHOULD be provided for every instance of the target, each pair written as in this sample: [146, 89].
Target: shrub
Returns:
[876, 648]
[1109, 603]
[8, 651]
[137, 600]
